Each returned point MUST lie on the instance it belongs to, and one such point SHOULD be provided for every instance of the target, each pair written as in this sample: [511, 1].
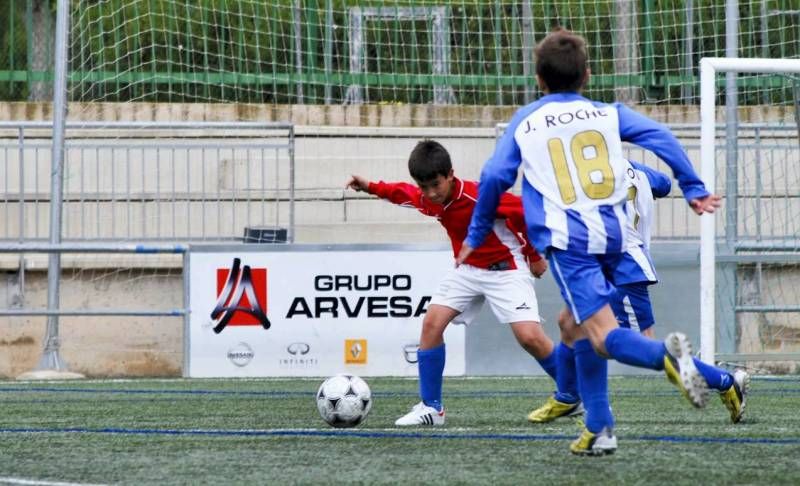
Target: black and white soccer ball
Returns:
[344, 400]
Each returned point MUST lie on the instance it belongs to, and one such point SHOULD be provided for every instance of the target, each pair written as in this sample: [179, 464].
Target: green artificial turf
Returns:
[269, 432]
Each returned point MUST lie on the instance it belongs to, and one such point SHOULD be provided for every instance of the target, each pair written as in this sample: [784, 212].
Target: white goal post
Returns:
[709, 68]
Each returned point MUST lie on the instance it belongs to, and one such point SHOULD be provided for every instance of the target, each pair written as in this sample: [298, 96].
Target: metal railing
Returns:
[151, 181]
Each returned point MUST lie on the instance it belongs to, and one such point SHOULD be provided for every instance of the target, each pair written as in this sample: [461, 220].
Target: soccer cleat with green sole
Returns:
[681, 371]
[591, 444]
[553, 409]
[735, 397]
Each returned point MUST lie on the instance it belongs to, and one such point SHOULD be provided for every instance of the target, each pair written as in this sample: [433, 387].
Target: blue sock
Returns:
[717, 378]
[431, 369]
[630, 347]
[549, 364]
[566, 380]
[592, 372]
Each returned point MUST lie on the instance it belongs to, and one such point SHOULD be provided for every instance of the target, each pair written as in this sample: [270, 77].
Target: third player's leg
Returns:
[435, 322]
[531, 337]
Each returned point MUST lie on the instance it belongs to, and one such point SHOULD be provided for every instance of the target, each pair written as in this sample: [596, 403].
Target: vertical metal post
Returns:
[687, 90]
[764, 43]
[298, 49]
[708, 228]
[291, 237]
[626, 51]
[497, 52]
[20, 301]
[51, 359]
[527, 50]
[440, 33]
[731, 120]
[187, 316]
[21, 141]
[728, 295]
[796, 91]
[355, 40]
[328, 50]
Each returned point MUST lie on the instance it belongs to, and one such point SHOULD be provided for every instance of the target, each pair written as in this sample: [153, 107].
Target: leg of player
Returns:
[531, 337]
[565, 402]
[512, 298]
[674, 355]
[591, 371]
[584, 288]
[430, 361]
[634, 310]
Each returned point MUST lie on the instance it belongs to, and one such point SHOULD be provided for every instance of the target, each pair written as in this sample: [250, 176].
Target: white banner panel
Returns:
[313, 313]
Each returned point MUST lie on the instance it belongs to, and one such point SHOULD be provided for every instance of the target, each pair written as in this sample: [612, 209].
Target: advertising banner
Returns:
[313, 313]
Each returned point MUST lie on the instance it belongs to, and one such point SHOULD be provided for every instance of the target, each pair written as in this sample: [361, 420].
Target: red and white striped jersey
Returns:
[507, 246]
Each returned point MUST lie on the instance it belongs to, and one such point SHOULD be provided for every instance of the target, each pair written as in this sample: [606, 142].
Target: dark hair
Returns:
[429, 160]
[561, 61]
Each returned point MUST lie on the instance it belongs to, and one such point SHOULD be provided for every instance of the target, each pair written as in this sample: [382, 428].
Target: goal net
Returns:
[750, 296]
[365, 80]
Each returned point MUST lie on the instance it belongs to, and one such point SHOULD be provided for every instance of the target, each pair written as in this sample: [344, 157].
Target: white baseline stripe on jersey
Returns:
[638, 256]
[556, 220]
[626, 302]
[598, 239]
[629, 235]
[572, 308]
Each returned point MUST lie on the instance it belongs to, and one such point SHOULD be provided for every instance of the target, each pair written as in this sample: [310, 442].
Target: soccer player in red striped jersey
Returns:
[499, 272]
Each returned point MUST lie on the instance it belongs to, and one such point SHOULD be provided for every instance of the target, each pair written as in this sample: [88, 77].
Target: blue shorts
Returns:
[632, 307]
[588, 281]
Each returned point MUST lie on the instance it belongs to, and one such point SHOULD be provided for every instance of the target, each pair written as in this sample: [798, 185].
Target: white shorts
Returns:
[510, 294]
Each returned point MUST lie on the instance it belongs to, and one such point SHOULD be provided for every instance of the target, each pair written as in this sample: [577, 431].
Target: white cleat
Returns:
[421, 414]
[681, 371]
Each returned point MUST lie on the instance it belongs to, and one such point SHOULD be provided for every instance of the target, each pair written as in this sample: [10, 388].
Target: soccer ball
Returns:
[344, 400]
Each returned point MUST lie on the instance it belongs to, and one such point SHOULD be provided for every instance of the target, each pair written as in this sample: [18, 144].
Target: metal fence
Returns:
[149, 182]
[302, 52]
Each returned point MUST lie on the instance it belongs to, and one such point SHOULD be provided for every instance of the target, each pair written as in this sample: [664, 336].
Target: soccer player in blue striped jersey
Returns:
[633, 309]
[574, 196]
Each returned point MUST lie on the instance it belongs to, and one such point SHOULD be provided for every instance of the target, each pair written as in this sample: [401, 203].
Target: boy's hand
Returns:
[463, 254]
[357, 183]
[706, 204]
[538, 268]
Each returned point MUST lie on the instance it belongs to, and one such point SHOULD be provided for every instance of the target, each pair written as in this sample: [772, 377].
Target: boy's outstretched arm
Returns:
[400, 193]
[357, 183]
[647, 133]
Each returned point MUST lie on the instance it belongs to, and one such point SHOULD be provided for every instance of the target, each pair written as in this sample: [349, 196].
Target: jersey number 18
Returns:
[590, 156]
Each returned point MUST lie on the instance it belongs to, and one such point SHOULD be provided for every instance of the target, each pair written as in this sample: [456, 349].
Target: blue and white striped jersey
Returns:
[644, 186]
[575, 187]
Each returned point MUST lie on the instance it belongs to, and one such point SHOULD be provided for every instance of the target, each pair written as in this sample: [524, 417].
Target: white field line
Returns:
[7, 480]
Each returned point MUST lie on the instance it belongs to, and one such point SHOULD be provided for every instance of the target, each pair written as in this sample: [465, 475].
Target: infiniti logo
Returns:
[298, 348]
[300, 358]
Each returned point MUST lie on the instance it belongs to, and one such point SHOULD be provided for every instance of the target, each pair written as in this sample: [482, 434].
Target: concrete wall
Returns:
[97, 346]
[366, 115]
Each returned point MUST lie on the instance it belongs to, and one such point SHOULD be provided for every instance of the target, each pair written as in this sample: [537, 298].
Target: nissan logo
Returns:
[298, 348]
[241, 354]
